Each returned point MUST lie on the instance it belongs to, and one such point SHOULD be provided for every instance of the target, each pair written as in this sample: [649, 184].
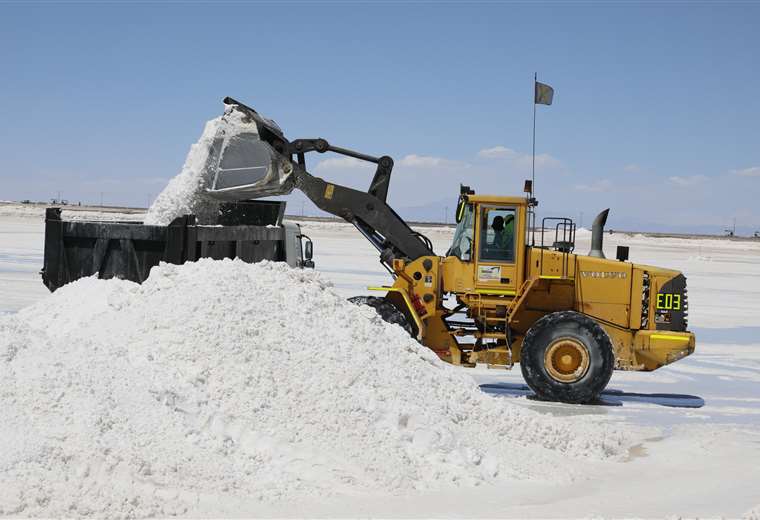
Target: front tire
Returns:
[567, 356]
[387, 311]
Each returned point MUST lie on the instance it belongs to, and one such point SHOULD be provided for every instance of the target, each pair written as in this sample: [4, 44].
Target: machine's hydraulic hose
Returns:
[424, 239]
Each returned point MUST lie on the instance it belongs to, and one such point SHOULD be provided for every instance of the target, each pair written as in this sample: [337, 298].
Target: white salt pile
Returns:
[220, 383]
[184, 194]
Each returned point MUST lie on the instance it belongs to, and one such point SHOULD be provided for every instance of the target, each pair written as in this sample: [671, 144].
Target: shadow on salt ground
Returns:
[608, 398]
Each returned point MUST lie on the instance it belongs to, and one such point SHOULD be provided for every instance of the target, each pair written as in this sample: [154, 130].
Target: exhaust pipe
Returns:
[597, 234]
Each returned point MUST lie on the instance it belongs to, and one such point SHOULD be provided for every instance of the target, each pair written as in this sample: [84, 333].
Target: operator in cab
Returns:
[502, 245]
[502, 238]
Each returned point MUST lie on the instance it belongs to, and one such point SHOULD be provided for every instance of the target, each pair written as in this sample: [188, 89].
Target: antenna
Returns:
[533, 163]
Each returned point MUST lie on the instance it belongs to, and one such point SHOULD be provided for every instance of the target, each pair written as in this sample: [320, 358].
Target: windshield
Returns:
[461, 246]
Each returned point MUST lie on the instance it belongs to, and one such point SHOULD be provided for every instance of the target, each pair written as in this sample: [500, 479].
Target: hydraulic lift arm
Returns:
[368, 211]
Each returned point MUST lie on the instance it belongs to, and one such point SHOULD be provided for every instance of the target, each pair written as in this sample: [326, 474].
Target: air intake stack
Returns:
[597, 234]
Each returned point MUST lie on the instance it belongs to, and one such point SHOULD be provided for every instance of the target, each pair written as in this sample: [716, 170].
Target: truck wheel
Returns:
[387, 311]
[567, 356]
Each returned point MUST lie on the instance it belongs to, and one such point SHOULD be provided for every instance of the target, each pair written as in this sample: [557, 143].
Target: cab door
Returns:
[498, 243]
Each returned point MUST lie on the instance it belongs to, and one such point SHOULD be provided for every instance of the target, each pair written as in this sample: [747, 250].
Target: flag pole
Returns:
[533, 164]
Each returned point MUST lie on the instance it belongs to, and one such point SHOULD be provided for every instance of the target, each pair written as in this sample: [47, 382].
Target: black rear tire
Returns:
[567, 356]
[387, 311]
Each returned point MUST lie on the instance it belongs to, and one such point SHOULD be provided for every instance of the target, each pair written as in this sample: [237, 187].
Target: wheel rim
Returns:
[567, 360]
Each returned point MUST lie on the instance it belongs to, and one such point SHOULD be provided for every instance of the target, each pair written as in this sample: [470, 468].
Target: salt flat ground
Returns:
[700, 417]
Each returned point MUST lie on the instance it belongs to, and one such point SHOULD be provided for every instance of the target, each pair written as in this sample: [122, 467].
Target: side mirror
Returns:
[622, 253]
[308, 249]
[308, 252]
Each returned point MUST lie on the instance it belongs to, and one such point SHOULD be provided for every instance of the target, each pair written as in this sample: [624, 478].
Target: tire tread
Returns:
[583, 391]
[387, 311]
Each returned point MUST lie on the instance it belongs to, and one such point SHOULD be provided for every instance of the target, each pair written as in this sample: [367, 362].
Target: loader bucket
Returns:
[243, 164]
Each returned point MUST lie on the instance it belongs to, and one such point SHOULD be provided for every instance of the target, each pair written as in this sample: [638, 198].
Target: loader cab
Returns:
[489, 243]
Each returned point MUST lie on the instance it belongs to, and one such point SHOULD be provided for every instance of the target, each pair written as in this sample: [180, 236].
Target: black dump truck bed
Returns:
[252, 231]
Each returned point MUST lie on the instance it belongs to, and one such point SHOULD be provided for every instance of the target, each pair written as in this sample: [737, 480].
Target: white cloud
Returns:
[543, 161]
[497, 152]
[596, 186]
[424, 161]
[632, 168]
[518, 159]
[692, 180]
[748, 172]
[408, 161]
[342, 163]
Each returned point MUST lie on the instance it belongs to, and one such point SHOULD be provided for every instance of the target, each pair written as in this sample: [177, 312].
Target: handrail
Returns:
[564, 246]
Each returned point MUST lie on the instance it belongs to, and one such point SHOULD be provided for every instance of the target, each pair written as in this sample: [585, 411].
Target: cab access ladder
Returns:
[511, 310]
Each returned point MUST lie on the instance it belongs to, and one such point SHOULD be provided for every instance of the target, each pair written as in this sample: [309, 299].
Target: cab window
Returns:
[497, 234]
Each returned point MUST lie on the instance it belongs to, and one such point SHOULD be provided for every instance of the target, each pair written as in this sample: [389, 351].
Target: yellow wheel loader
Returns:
[508, 290]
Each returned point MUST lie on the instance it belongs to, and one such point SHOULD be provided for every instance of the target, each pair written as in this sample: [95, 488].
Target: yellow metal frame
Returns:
[656, 348]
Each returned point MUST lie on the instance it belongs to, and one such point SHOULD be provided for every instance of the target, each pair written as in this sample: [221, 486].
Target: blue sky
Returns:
[656, 110]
